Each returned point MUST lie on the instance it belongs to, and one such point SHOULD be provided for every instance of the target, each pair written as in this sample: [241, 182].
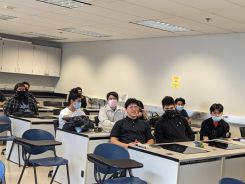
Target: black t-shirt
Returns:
[211, 131]
[175, 129]
[128, 130]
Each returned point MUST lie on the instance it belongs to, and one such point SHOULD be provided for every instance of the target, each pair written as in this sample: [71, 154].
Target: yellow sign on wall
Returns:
[176, 82]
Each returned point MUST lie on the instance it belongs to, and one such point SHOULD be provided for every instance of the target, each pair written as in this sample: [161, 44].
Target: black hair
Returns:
[131, 101]
[167, 100]
[73, 96]
[27, 83]
[74, 91]
[112, 93]
[217, 107]
[17, 86]
[79, 89]
[140, 104]
[179, 99]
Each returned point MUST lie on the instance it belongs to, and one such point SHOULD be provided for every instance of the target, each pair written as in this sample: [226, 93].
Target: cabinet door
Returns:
[25, 58]
[54, 61]
[40, 54]
[10, 56]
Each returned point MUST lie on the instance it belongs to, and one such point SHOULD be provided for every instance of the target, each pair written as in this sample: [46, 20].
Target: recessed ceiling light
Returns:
[6, 17]
[66, 3]
[161, 25]
[42, 36]
[84, 32]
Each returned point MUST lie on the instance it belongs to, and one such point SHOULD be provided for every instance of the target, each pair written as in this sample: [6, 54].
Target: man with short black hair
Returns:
[215, 127]
[20, 103]
[131, 130]
[172, 127]
[111, 112]
[179, 106]
[27, 86]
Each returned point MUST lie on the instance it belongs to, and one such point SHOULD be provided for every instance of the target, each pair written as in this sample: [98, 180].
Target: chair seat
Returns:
[50, 161]
[6, 138]
[125, 180]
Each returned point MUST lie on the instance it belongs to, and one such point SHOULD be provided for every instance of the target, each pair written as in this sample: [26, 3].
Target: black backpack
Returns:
[79, 121]
[153, 119]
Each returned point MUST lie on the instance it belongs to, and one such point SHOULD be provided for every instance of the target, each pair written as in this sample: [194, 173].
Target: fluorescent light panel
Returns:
[6, 17]
[40, 35]
[161, 25]
[66, 3]
[84, 32]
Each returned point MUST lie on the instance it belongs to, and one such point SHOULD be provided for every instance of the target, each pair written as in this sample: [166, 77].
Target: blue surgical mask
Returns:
[179, 107]
[216, 118]
[77, 105]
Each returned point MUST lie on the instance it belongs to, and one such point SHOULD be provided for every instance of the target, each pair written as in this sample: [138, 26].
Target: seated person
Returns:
[20, 103]
[179, 106]
[2, 99]
[74, 109]
[110, 113]
[172, 127]
[215, 127]
[131, 130]
[142, 113]
[83, 101]
[27, 86]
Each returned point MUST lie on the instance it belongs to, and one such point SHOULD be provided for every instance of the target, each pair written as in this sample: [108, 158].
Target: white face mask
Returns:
[112, 103]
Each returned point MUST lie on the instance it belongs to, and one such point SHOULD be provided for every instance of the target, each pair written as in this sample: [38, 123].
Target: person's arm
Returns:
[189, 131]
[148, 134]
[104, 120]
[114, 140]
[226, 131]
[160, 134]
[7, 107]
[203, 132]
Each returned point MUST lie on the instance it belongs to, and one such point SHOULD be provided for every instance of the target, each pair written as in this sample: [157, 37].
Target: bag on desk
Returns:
[153, 119]
[79, 121]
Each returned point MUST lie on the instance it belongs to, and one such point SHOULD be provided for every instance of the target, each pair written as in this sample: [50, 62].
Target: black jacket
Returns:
[209, 130]
[175, 129]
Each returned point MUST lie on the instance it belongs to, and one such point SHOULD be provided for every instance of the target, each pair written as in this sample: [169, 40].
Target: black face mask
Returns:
[21, 94]
[170, 113]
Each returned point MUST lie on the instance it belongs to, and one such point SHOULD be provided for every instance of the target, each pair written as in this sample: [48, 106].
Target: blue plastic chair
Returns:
[2, 173]
[27, 151]
[107, 152]
[5, 128]
[230, 181]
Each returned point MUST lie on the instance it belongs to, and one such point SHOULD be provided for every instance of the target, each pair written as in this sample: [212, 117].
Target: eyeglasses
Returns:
[133, 107]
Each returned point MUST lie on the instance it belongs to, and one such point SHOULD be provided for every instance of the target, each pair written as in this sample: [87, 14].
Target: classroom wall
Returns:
[211, 68]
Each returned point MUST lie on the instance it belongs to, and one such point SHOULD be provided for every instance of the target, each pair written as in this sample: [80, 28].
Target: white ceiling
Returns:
[112, 17]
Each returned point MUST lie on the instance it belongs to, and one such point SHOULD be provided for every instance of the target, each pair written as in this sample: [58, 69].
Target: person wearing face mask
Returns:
[131, 130]
[215, 127]
[172, 127]
[73, 109]
[111, 112]
[20, 103]
[179, 106]
[27, 86]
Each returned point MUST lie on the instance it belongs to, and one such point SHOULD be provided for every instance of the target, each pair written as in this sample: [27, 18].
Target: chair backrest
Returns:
[242, 130]
[37, 134]
[230, 181]
[2, 172]
[56, 125]
[7, 123]
[110, 151]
